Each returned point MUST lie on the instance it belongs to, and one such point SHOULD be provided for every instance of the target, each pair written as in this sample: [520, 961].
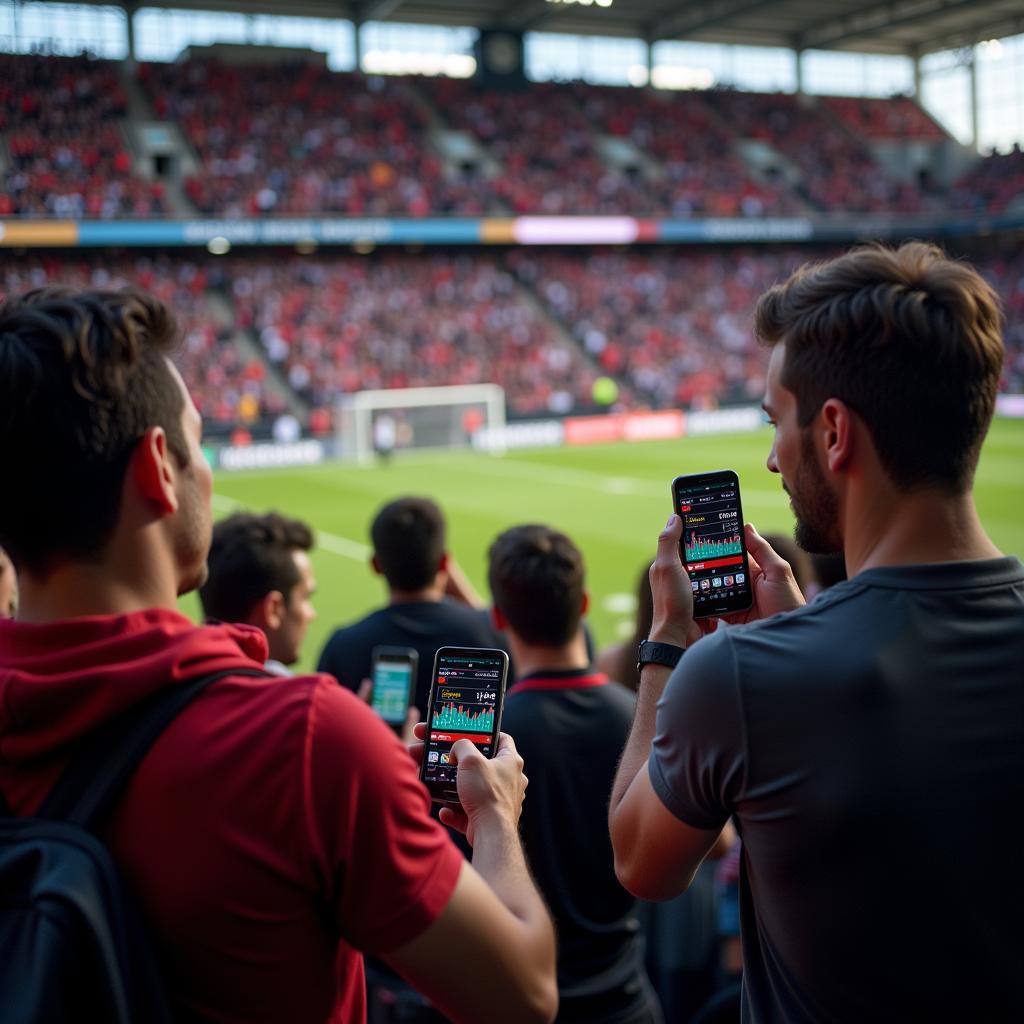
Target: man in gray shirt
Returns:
[869, 746]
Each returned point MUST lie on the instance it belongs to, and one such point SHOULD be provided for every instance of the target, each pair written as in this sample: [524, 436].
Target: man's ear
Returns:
[442, 566]
[269, 612]
[838, 431]
[375, 565]
[498, 619]
[151, 470]
[585, 604]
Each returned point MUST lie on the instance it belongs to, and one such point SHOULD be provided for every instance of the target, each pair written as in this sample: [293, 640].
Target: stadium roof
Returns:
[866, 26]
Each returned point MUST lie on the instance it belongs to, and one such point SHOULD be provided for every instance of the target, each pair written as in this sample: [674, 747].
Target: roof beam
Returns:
[973, 34]
[704, 15]
[378, 10]
[876, 20]
[521, 15]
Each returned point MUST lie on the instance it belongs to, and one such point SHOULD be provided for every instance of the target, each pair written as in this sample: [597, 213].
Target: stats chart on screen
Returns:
[713, 541]
[466, 699]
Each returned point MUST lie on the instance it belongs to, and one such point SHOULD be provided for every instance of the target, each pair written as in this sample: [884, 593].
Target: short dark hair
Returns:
[409, 540]
[910, 339]
[251, 555]
[536, 580]
[83, 376]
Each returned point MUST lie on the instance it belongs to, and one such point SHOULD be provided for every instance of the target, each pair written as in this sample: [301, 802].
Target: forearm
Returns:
[499, 859]
[653, 679]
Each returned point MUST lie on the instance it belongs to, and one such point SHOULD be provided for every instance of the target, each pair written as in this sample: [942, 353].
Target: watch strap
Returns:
[651, 652]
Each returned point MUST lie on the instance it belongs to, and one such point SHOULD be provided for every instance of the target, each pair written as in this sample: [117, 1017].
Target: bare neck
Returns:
[912, 529]
[531, 659]
[74, 590]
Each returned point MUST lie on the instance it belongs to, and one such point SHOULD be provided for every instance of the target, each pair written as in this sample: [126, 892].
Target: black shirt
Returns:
[871, 749]
[423, 625]
[570, 728]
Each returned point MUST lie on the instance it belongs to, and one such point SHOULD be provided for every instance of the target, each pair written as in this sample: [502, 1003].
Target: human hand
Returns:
[491, 789]
[458, 586]
[771, 576]
[672, 594]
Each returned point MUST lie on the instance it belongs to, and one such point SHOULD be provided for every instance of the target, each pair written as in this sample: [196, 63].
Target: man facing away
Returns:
[869, 745]
[573, 721]
[431, 603]
[260, 573]
[272, 832]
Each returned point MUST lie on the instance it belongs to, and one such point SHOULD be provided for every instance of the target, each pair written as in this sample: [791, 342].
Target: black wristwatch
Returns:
[650, 652]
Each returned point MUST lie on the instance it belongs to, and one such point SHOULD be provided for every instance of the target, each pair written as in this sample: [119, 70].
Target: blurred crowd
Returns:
[67, 156]
[298, 139]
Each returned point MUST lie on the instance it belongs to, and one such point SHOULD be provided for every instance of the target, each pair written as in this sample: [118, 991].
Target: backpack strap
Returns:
[106, 759]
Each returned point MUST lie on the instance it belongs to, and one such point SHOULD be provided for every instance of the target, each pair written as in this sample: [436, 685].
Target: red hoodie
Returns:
[276, 827]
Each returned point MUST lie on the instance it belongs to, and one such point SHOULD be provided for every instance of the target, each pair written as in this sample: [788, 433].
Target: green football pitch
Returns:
[611, 499]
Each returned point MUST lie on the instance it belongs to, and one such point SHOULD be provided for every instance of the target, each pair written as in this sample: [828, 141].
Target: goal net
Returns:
[403, 419]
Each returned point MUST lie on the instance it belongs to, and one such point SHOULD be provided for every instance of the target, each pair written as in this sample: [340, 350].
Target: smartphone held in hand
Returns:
[467, 693]
[713, 548]
[394, 674]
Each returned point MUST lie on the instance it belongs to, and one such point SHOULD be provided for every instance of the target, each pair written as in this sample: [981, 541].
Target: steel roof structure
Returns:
[910, 27]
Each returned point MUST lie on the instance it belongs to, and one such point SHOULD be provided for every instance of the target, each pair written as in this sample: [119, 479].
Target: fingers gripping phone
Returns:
[714, 547]
[394, 673]
[467, 694]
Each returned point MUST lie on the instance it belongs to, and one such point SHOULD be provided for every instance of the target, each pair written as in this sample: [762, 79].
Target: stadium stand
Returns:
[896, 118]
[992, 186]
[62, 118]
[341, 324]
[296, 138]
[228, 388]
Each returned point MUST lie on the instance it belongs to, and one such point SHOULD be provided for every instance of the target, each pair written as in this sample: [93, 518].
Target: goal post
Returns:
[452, 416]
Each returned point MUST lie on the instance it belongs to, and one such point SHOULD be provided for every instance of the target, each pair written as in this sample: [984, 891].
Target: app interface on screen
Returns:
[465, 699]
[713, 541]
[391, 689]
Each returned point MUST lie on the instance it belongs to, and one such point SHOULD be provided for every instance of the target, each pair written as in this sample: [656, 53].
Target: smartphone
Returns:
[714, 547]
[467, 693]
[394, 673]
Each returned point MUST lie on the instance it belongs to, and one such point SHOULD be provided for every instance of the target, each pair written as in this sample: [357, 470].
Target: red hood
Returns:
[60, 680]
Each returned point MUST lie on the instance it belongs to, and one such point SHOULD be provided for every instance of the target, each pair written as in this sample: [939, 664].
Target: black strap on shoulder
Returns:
[107, 758]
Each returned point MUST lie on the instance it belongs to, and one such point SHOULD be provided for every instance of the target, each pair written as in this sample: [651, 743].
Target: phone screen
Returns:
[713, 547]
[393, 674]
[466, 697]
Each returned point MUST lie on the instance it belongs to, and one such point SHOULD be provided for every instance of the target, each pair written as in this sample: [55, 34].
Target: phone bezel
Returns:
[724, 606]
[443, 793]
[387, 653]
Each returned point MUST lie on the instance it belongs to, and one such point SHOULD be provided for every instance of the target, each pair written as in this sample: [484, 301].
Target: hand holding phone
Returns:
[713, 547]
[394, 673]
[467, 694]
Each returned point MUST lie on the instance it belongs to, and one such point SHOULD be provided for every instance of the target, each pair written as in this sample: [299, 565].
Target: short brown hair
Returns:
[83, 375]
[250, 556]
[910, 339]
[536, 581]
[408, 537]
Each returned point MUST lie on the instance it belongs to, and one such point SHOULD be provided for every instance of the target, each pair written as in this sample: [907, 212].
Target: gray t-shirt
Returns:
[871, 749]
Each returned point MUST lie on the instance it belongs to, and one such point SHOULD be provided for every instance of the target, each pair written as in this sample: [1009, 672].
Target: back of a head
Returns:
[908, 338]
[536, 578]
[83, 376]
[409, 541]
[251, 556]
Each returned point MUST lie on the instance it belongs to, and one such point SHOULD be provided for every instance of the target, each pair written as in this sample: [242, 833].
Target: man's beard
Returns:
[814, 504]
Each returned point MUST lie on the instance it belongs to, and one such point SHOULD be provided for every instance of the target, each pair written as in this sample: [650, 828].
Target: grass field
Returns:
[611, 499]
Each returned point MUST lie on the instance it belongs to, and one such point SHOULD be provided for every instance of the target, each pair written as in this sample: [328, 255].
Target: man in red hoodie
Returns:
[272, 833]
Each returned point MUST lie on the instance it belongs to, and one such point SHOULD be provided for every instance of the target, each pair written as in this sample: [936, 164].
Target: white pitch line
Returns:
[328, 541]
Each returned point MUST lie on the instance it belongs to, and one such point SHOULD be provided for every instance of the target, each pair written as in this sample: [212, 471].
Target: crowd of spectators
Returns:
[838, 172]
[676, 328]
[1005, 271]
[67, 156]
[993, 185]
[898, 117]
[229, 389]
[343, 324]
[297, 138]
[700, 170]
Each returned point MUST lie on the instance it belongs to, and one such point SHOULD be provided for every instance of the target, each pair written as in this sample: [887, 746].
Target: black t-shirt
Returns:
[871, 749]
[423, 625]
[570, 728]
